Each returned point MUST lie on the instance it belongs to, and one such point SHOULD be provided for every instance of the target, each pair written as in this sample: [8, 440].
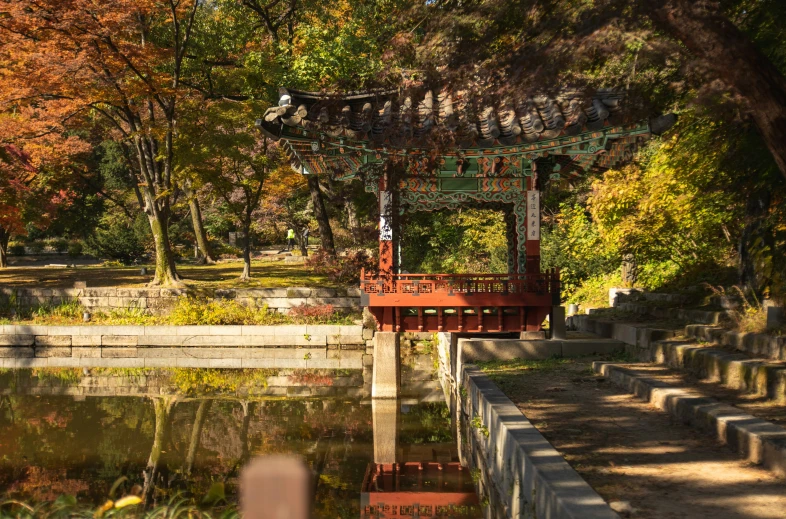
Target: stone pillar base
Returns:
[532, 336]
[557, 323]
[386, 380]
[384, 414]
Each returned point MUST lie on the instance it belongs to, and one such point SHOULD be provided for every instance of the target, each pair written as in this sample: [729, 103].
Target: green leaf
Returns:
[215, 494]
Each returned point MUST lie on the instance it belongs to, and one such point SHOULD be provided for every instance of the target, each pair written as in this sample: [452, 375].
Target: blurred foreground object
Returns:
[275, 487]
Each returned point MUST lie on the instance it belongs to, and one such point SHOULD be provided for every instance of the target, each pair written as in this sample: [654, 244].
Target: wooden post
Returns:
[512, 239]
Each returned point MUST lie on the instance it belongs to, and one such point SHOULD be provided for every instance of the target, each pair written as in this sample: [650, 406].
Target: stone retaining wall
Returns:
[158, 301]
[289, 346]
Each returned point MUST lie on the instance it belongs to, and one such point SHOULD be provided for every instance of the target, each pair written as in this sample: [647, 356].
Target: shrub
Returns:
[342, 269]
[17, 249]
[750, 316]
[72, 309]
[192, 311]
[60, 245]
[75, 248]
[311, 314]
[594, 292]
[117, 238]
[36, 247]
[225, 251]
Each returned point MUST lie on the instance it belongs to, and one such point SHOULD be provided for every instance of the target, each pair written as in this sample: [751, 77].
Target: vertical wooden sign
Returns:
[385, 215]
[533, 215]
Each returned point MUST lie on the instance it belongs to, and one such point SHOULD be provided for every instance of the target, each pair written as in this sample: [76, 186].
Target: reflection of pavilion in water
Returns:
[417, 489]
[395, 487]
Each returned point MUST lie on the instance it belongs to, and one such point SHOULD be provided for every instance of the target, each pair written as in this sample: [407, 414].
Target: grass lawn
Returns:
[223, 275]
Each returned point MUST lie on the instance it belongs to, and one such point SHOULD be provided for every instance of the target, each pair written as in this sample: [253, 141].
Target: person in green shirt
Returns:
[290, 239]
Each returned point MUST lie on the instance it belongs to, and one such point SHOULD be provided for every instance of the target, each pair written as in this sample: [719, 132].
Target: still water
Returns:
[81, 445]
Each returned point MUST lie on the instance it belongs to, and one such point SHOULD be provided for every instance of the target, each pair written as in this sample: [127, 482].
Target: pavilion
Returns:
[421, 151]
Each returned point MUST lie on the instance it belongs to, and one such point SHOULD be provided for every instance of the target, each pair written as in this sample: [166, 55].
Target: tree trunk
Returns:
[163, 410]
[352, 220]
[166, 273]
[320, 213]
[246, 275]
[734, 58]
[756, 210]
[303, 242]
[199, 227]
[245, 450]
[196, 435]
[4, 238]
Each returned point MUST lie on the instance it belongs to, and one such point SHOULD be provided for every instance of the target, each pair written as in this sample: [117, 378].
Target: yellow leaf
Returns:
[106, 506]
[127, 501]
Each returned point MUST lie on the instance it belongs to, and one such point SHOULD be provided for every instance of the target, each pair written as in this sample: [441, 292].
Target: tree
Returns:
[321, 215]
[286, 200]
[34, 182]
[15, 173]
[122, 61]
[661, 52]
[196, 221]
[228, 154]
[731, 56]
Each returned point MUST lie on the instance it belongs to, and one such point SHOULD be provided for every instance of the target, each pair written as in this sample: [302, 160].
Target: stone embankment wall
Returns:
[290, 346]
[159, 300]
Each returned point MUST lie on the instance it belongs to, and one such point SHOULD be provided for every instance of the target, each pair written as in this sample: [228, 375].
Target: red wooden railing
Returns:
[450, 284]
[460, 302]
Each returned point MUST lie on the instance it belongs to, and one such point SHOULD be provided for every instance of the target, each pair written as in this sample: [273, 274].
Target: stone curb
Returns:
[757, 440]
[529, 476]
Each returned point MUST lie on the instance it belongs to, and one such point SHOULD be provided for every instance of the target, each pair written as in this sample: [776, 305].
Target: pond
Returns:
[181, 444]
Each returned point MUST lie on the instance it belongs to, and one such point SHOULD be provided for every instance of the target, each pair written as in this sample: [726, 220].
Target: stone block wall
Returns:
[158, 301]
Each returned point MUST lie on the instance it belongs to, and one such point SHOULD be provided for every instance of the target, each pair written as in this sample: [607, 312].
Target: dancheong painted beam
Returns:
[425, 152]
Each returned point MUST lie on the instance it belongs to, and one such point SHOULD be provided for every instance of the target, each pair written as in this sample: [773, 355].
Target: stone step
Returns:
[757, 344]
[638, 338]
[734, 370]
[693, 315]
[757, 440]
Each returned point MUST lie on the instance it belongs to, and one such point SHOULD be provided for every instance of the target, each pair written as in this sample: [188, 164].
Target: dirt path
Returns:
[630, 451]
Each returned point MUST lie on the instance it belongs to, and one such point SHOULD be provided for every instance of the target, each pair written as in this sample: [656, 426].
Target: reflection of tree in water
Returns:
[156, 473]
[215, 438]
[179, 445]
